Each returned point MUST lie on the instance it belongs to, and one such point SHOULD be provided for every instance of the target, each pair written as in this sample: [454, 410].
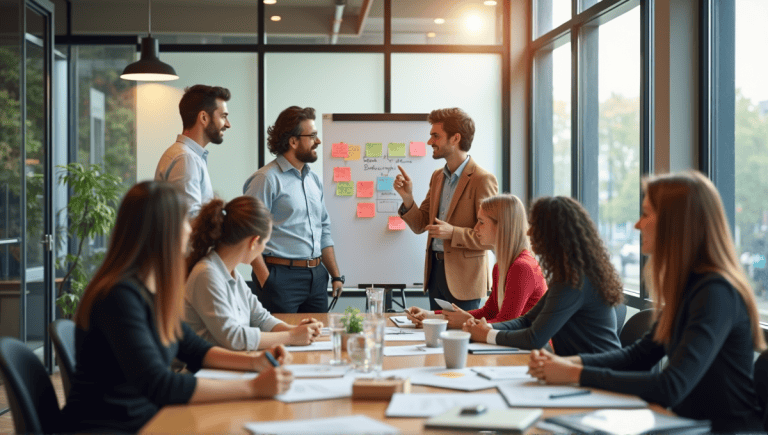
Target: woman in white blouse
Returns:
[219, 306]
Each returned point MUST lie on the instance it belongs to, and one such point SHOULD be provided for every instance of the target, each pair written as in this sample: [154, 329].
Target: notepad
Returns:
[529, 393]
[636, 421]
[508, 420]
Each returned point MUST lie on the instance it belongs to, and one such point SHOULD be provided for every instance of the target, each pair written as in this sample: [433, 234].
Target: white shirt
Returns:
[221, 308]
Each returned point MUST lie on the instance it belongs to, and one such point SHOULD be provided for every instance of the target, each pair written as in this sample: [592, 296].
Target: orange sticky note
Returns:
[353, 152]
[343, 173]
[366, 209]
[365, 189]
[418, 149]
[396, 223]
[339, 150]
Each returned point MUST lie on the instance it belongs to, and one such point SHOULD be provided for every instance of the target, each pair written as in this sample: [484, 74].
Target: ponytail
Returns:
[206, 231]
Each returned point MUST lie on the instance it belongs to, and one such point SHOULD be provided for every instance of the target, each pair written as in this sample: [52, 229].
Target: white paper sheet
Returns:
[454, 379]
[432, 404]
[495, 347]
[304, 390]
[318, 345]
[414, 349]
[402, 322]
[503, 373]
[532, 394]
[225, 374]
[352, 425]
[405, 335]
[308, 371]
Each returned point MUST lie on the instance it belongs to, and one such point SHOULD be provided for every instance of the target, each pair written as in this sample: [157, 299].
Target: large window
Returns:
[590, 77]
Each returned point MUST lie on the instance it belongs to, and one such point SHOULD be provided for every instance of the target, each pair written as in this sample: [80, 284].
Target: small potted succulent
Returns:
[353, 325]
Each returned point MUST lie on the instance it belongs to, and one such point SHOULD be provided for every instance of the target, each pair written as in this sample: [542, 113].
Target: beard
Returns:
[214, 134]
[306, 156]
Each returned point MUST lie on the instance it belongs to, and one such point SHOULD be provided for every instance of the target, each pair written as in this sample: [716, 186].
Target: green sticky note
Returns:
[345, 188]
[397, 150]
[373, 150]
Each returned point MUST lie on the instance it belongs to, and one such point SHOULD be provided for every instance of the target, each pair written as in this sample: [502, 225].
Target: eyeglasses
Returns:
[312, 136]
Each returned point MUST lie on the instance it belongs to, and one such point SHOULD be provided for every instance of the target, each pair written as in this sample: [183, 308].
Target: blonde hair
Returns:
[692, 236]
[508, 213]
[146, 239]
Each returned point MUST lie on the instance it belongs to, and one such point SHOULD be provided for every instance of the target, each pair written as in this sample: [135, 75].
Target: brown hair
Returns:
[455, 121]
[146, 239]
[220, 224]
[508, 213]
[570, 248]
[197, 98]
[288, 125]
[692, 236]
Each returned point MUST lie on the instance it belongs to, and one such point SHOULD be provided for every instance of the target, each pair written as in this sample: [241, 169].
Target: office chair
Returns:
[34, 406]
[621, 316]
[63, 337]
[636, 326]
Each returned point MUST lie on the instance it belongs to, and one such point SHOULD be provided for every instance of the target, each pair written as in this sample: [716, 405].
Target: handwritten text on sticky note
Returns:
[339, 150]
[366, 209]
[396, 223]
[418, 149]
[345, 188]
[373, 150]
[396, 150]
[342, 173]
[365, 189]
[353, 152]
[384, 183]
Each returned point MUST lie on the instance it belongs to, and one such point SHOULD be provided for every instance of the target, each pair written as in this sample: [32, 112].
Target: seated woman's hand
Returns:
[553, 369]
[302, 335]
[309, 320]
[271, 382]
[457, 318]
[478, 328]
[261, 363]
[416, 314]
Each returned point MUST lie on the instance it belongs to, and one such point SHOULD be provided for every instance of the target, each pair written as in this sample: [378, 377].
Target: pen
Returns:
[575, 393]
[271, 359]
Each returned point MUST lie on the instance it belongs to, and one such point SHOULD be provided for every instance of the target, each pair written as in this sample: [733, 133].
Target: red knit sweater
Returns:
[524, 287]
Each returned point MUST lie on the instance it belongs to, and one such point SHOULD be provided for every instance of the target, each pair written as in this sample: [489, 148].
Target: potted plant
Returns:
[91, 211]
[353, 325]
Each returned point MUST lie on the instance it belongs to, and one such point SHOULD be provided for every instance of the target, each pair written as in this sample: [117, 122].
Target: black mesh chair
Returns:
[62, 333]
[34, 406]
[621, 316]
[636, 326]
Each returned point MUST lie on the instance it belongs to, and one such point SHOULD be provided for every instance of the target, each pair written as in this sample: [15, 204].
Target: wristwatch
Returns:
[338, 278]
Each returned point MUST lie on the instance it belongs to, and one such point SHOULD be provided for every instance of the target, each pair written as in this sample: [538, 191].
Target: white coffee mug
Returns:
[455, 348]
[432, 330]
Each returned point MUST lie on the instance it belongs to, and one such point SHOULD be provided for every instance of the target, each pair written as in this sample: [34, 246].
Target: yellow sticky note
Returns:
[353, 152]
[373, 150]
[345, 188]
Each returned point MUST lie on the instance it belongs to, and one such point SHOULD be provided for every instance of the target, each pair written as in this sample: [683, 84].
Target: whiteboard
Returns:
[366, 250]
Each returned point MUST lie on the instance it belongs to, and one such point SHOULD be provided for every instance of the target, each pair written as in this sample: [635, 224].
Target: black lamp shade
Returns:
[149, 67]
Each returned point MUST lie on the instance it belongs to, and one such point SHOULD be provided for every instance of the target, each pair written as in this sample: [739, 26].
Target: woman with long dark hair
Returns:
[129, 326]
[707, 323]
[576, 312]
[219, 306]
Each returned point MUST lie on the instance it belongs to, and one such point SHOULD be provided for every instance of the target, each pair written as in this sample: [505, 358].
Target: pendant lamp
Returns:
[149, 68]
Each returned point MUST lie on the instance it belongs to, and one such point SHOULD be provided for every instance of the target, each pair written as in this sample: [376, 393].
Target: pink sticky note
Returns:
[418, 149]
[365, 189]
[339, 150]
[366, 210]
[343, 173]
[396, 223]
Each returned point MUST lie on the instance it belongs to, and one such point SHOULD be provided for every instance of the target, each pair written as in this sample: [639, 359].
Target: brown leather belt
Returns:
[313, 262]
[439, 255]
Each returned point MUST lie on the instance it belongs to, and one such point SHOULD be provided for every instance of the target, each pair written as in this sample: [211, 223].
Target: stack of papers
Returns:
[307, 390]
[352, 425]
[417, 405]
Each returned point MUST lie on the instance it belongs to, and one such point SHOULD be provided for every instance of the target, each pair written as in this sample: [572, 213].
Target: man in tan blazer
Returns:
[456, 267]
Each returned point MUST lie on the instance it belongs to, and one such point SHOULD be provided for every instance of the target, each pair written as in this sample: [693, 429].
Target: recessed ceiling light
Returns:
[486, 2]
[270, 2]
[439, 20]
[431, 34]
[275, 18]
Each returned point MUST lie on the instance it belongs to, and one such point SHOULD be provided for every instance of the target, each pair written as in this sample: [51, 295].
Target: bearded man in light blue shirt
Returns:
[204, 117]
[292, 274]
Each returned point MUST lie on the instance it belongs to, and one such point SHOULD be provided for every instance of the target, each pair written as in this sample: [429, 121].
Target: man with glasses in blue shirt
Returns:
[204, 117]
[292, 274]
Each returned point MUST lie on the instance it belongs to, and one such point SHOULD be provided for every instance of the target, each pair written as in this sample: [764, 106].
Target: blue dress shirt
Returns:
[450, 181]
[301, 227]
[186, 164]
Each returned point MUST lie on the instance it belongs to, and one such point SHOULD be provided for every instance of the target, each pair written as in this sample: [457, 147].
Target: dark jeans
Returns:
[438, 288]
[291, 289]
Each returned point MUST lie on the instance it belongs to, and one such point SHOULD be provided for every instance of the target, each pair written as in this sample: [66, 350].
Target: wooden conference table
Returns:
[231, 417]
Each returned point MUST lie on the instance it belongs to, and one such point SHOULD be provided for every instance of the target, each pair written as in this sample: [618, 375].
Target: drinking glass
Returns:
[375, 300]
[336, 327]
[373, 330]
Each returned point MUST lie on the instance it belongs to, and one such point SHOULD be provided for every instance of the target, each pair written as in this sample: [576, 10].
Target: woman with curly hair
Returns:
[501, 223]
[707, 322]
[219, 306]
[576, 312]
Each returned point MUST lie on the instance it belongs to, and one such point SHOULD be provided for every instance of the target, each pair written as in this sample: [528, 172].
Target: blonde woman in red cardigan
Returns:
[502, 223]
